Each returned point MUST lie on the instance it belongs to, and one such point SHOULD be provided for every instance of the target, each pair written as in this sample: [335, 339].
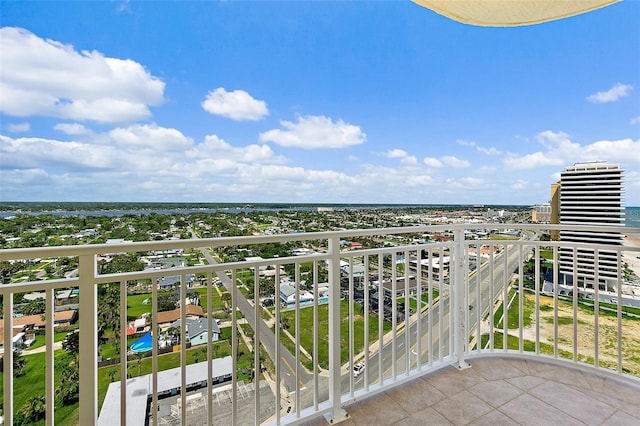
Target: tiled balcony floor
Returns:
[499, 391]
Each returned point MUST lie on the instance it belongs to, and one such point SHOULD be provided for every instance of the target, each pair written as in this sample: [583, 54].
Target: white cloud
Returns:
[19, 127]
[72, 128]
[402, 155]
[25, 153]
[153, 137]
[455, 162]
[314, 132]
[432, 162]
[560, 151]
[616, 92]
[635, 120]
[409, 160]
[237, 105]
[48, 78]
[487, 151]
[486, 170]
[519, 184]
[395, 153]
[215, 147]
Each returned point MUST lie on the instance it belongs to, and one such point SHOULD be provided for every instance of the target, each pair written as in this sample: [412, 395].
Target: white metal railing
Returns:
[420, 319]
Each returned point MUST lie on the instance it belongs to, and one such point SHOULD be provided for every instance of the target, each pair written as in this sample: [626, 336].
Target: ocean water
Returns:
[632, 218]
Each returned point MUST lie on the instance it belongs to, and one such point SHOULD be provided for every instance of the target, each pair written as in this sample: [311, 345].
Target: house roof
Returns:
[39, 321]
[16, 331]
[286, 290]
[196, 327]
[171, 316]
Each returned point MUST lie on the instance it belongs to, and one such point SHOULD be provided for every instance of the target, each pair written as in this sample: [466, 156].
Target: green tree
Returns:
[167, 300]
[19, 362]
[71, 343]
[34, 409]
[68, 385]
[34, 307]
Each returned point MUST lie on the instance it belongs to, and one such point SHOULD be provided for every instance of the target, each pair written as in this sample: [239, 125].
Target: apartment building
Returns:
[591, 194]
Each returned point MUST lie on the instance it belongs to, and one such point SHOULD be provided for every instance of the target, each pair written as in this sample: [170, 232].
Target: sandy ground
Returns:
[586, 331]
[586, 335]
[632, 258]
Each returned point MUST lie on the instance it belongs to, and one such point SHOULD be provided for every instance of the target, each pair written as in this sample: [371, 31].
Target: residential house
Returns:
[288, 296]
[197, 330]
[166, 318]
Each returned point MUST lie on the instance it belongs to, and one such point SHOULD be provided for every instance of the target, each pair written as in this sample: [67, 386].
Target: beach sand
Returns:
[632, 258]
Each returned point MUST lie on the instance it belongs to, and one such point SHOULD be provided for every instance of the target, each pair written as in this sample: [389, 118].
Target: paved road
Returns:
[435, 337]
[267, 336]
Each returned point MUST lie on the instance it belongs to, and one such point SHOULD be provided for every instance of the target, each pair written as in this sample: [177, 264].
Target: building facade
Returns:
[591, 194]
[541, 213]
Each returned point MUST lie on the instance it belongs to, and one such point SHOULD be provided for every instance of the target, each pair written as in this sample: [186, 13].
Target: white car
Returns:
[358, 369]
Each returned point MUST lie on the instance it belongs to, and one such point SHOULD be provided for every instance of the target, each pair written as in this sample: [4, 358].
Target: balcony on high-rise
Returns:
[472, 327]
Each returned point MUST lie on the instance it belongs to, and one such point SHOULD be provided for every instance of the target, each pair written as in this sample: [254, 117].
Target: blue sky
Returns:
[309, 102]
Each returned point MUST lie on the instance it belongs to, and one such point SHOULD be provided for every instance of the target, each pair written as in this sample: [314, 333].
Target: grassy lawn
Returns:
[546, 254]
[306, 327]
[32, 383]
[40, 339]
[413, 301]
[135, 307]
[513, 315]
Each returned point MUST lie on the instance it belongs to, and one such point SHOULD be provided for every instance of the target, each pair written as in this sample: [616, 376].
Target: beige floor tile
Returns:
[452, 381]
[620, 418]
[496, 392]
[573, 402]
[526, 382]
[462, 408]
[416, 395]
[527, 393]
[425, 417]
[530, 411]
[492, 370]
[493, 418]
[378, 410]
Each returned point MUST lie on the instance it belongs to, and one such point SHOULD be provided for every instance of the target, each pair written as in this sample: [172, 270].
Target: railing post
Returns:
[459, 303]
[337, 414]
[88, 353]
[7, 358]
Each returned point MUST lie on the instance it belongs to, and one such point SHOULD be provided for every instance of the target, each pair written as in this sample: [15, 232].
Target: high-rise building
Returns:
[555, 209]
[591, 194]
[541, 213]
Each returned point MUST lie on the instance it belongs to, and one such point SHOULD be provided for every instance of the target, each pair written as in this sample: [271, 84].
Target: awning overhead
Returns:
[511, 13]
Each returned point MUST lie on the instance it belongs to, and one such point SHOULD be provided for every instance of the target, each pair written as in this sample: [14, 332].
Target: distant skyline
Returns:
[370, 102]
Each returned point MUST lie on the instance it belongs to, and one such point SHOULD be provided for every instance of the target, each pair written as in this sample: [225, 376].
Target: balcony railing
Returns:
[381, 314]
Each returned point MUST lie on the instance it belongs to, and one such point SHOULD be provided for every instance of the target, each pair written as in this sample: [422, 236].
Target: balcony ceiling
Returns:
[510, 13]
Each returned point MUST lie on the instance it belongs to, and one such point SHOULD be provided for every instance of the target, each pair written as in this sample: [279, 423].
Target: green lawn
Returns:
[413, 301]
[33, 382]
[135, 307]
[40, 339]
[306, 335]
[513, 315]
